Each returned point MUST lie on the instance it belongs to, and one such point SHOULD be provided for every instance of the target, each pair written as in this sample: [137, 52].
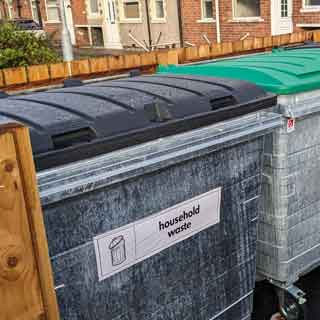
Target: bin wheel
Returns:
[290, 308]
[265, 302]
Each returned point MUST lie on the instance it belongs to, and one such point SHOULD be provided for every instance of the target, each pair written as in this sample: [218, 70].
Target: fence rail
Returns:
[24, 77]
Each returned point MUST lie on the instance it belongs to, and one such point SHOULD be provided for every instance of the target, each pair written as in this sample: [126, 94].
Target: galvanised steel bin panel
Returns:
[289, 231]
[210, 275]
[95, 119]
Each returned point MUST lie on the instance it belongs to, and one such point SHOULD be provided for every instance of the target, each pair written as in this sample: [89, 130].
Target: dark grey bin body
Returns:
[210, 275]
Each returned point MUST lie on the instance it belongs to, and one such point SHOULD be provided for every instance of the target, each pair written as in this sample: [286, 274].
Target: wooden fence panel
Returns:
[258, 43]
[116, 63]
[132, 61]
[148, 59]
[14, 76]
[59, 70]
[98, 65]
[204, 51]
[26, 280]
[237, 46]
[80, 67]
[248, 44]
[267, 42]
[316, 36]
[38, 73]
[192, 54]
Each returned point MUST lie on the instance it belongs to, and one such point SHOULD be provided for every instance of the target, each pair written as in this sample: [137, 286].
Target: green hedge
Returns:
[20, 48]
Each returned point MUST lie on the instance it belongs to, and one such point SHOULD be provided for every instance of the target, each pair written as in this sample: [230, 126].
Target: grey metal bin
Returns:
[289, 228]
[163, 229]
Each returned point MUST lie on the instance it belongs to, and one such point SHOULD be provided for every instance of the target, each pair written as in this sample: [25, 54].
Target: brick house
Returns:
[105, 23]
[229, 20]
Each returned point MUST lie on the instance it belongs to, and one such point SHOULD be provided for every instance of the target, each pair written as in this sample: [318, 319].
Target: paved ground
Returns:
[265, 304]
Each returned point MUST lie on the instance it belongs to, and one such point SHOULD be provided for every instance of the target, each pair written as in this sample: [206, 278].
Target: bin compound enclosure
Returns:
[289, 228]
[151, 189]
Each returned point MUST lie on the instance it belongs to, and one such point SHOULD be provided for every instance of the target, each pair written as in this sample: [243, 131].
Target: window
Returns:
[53, 10]
[246, 8]
[94, 6]
[131, 9]
[207, 9]
[312, 3]
[34, 9]
[11, 12]
[159, 9]
[284, 9]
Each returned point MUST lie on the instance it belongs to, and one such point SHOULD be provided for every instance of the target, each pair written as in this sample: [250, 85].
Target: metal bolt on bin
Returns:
[289, 228]
[151, 188]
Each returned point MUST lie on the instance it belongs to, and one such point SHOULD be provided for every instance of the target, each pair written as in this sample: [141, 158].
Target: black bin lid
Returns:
[76, 123]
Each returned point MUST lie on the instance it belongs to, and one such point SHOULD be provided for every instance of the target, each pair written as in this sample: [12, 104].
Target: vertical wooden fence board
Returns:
[316, 36]
[204, 51]
[132, 61]
[148, 59]
[26, 280]
[181, 55]
[285, 39]
[38, 73]
[237, 46]
[248, 44]
[116, 63]
[80, 67]
[227, 48]
[98, 65]
[267, 42]
[59, 71]
[173, 57]
[1, 79]
[216, 50]
[192, 54]
[13, 76]
[258, 43]
[162, 57]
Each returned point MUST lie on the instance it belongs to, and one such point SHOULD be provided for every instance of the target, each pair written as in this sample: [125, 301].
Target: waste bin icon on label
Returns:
[117, 248]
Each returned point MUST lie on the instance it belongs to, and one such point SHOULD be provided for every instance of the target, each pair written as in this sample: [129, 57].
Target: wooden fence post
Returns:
[26, 279]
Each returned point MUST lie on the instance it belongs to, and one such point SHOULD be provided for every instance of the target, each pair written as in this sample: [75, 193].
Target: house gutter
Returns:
[19, 7]
[148, 23]
[180, 22]
[218, 21]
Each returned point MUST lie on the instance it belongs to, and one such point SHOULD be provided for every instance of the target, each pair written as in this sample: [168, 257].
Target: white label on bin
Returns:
[121, 248]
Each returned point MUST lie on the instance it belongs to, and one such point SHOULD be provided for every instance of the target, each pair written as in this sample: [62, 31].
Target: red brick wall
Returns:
[230, 30]
[79, 12]
[303, 17]
[233, 30]
[193, 30]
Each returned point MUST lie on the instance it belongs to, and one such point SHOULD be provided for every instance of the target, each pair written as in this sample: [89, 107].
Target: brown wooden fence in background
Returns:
[26, 77]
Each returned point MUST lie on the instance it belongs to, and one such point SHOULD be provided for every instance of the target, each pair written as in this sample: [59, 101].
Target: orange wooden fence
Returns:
[14, 78]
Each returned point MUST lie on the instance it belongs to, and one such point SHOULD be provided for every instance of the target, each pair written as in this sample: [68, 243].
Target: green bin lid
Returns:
[281, 71]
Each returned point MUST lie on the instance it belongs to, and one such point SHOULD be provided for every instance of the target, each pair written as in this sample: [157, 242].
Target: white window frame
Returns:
[93, 14]
[244, 19]
[203, 18]
[124, 19]
[31, 6]
[309, 8]
[154, 18]
[11, 12]
[51, 6]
